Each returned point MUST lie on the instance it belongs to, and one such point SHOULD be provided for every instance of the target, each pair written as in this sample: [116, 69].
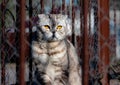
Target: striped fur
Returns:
[55, 62]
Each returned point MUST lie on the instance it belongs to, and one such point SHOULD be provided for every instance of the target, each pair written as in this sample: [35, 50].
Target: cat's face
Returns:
[53, 27]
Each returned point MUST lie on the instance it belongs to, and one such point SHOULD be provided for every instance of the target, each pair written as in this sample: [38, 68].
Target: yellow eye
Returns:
[59, 27]
[47, 27]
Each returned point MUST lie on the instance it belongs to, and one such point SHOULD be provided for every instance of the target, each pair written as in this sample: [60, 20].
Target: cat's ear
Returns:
[41, 16]
[69, 26]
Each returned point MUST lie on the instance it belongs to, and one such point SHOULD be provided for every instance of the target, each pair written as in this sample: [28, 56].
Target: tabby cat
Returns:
[55, 61]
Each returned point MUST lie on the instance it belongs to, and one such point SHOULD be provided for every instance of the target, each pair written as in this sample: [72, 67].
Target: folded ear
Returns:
[41, 16]
[68, 27]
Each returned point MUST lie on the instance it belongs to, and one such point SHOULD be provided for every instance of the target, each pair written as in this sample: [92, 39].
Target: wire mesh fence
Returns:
[95, 35]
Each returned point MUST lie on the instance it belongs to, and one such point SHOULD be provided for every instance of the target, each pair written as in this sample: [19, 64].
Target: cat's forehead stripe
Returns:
[52, 20]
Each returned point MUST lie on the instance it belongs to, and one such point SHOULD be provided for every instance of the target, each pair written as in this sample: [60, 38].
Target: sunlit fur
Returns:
[55, 61]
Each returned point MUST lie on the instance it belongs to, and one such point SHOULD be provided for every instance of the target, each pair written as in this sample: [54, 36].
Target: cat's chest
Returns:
[50, 52]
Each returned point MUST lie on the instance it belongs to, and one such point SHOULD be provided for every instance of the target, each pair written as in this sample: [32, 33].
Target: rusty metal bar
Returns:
[53, 6]
[73, 20]
[115, 8]
[42, 6]
[3, 43]
[85, 41]
[103, 11]
[17, 39]
[81, 27]
[22, 42]
[115, 31]
[63, 7]
[115, 16]
[30, 40]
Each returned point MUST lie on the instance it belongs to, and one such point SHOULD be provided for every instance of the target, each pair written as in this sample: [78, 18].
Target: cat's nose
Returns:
[53, 34]
[53, 31]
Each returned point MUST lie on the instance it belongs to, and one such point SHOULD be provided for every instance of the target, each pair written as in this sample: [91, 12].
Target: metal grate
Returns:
[95, 34]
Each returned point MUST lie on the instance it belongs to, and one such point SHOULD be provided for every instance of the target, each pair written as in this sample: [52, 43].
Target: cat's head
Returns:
[53, 27]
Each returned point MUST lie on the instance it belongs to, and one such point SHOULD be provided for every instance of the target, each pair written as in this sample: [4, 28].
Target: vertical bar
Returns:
[114, 16]
[78, 37]
[53, 6]
[3, 43]
[30, 40]
[115, 31]
[22, 42]
[85, 41]
[42, 6]
[95, 8]
[103, 11]
[63, 7]
[81, 26]
[17, 39]
[73, 20]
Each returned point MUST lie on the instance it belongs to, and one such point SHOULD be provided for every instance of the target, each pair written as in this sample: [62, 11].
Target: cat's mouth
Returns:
[53, 38]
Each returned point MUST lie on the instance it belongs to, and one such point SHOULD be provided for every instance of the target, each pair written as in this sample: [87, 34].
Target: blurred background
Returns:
[95, 34]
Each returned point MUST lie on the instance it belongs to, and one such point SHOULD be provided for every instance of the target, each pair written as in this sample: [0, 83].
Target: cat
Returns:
[55, 61]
